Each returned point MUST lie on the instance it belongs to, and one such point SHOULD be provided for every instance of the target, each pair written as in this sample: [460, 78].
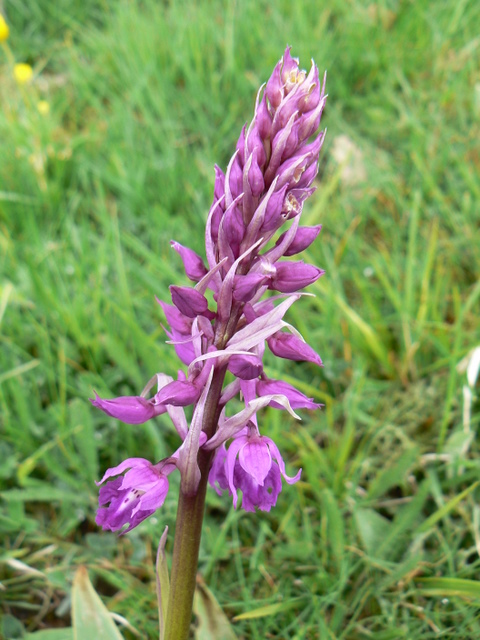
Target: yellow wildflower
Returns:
[43, 107]
[4, 30]
[23, 72]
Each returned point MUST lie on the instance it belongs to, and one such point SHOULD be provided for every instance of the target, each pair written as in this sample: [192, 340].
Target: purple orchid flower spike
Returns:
[222, 324]
[265, 185]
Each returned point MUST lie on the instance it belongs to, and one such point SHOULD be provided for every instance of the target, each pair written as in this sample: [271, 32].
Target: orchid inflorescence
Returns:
[267, 180]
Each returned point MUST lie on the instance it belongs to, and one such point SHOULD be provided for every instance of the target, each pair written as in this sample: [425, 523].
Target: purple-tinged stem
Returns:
[190, 510]
[188, 530]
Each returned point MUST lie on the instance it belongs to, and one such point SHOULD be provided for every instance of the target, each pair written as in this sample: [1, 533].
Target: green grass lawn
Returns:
[381, 537]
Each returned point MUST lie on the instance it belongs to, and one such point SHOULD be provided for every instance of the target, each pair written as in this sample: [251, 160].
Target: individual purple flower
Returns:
[254, 495]
[193, 263]
[245, 287]
[252, 464]
[189, 302]
[290, 347]
[272, 210]
[245, 367]
[301, 241]
[296, 398]
[180, 393]
[131, 498]
[293, 276]
[129, 409]
[177, 320]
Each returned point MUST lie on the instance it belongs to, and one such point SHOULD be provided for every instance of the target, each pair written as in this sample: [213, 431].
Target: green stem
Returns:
[185, 560]
[188, 530]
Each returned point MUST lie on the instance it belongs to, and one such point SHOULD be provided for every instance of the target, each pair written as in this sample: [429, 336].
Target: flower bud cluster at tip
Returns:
[267, 180]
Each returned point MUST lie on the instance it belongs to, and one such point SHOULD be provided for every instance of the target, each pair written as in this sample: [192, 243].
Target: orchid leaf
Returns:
[213, 624]
[91, 618]
[51, 634]
[163, 583]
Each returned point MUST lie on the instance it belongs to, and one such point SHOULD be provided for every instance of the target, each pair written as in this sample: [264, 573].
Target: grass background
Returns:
[381, 538]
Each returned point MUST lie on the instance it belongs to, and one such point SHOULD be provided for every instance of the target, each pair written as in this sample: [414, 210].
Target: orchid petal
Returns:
[129, 409]
[232, 425]
[281, 464]
[187, 458]
[255, 459]
[261, 328]
[193, 263]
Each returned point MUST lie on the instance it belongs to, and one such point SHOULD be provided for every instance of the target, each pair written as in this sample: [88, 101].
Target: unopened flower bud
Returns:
[293, 276]
[274, 88]
[302, 240]
[189, 301]
[263, 119]
[179, 393]
[193, 263]
[290, 347]
[273, 211]
[245, 367]
[245, 287]
[255, 179]
[129, 409]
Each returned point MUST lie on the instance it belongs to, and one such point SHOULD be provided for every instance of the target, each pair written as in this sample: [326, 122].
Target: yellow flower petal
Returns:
[23, 72]
[4, 30]
[43, 107]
